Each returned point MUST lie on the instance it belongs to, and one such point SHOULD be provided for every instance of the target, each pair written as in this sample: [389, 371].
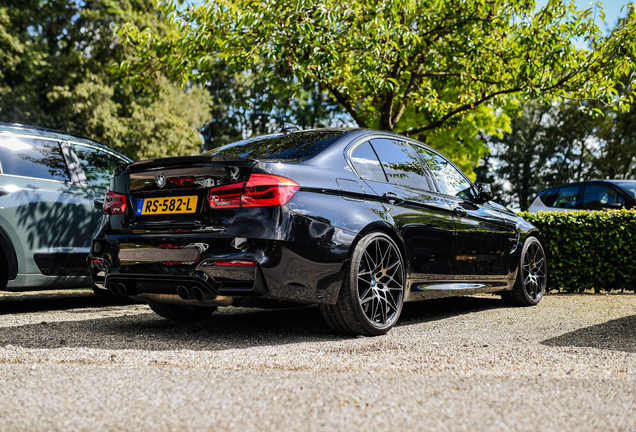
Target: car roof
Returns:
[348, 136]
[36, 131]
[612, 181]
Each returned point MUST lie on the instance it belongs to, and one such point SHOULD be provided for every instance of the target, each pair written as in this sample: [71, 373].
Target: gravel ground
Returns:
[69, 362]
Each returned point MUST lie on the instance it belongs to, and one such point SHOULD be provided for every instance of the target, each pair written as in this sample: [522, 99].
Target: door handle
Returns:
[460, 212]
[392, 198]
[98, 202]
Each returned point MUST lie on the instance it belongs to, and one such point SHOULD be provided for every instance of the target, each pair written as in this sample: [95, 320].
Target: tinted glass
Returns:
[547, 197]
[366, 163]
[451, 181]
[98, 165]
[296, 147]
[629, 187]
[564, 198]
[33, 158]
[400, 164]
[596, 196]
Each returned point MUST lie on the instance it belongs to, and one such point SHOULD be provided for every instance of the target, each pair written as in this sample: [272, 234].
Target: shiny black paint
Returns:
[302, 249]
[483, 240]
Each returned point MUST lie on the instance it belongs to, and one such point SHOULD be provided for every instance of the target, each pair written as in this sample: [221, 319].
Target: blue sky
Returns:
[612, 9]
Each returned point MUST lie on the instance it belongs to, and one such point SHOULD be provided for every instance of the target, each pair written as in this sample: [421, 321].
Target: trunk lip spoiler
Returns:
[176, 161]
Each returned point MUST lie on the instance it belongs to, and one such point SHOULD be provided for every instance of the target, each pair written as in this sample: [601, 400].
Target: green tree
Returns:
[246, 103]
[55, 71]
[411, 66]
[548, 145]
[617, 138]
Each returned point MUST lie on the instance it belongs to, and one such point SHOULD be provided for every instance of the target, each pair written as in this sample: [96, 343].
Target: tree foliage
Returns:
[246, 103]
[411, 66]
[55, 71]
[549, 145]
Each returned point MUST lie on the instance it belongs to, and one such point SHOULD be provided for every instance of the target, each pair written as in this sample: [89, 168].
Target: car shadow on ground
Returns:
[42, 301]
[615, 335]
[137, 327]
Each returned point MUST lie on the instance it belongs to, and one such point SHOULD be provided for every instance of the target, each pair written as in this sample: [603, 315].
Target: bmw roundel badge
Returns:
[160, 180]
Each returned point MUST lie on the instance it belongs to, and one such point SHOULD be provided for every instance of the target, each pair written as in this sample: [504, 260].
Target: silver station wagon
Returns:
[52, 186]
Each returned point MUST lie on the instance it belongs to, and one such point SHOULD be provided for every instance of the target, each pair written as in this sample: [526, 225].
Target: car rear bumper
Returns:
[302, 267]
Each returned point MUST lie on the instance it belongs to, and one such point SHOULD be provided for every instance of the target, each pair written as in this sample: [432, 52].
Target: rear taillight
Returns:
[227, 196]
[114, 203]
[260, 190]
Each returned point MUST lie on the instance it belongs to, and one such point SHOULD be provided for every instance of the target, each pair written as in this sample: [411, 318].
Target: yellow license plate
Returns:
[155, 206]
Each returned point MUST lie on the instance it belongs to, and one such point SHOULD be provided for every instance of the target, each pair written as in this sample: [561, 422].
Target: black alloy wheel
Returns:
[371, 299]
[532, 276]
[181, 313]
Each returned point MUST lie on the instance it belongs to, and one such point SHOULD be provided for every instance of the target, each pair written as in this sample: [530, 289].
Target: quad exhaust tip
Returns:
[197, 293]
[118, 289]
[183, 292]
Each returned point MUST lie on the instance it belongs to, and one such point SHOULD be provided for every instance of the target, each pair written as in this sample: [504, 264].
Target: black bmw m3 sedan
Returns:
[354, 220]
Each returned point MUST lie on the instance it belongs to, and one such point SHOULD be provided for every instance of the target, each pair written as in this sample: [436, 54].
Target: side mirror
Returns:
[484, 193]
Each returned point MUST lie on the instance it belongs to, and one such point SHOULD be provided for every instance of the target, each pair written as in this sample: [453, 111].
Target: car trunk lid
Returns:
[171, 194]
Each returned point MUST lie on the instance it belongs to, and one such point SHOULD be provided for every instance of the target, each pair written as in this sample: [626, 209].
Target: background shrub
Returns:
[589, 250]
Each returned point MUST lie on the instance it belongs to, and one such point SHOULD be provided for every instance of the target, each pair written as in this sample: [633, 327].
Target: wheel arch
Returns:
[384, 227]
[8, 259]
[536, 233]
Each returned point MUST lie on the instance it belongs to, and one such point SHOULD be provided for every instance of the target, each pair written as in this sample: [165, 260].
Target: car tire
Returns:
[532, 275]
[372, 294]
[4, 272]
[177, 312]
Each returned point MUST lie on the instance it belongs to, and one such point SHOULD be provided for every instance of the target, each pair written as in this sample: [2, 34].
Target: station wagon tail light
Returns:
[114, 203]
[261, 190]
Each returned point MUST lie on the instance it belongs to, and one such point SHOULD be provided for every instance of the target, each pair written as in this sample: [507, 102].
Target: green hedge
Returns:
[589, 250]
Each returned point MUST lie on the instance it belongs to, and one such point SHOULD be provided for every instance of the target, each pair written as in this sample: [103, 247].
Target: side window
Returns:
[32, 158]
[400, 163]
[97, 165]
[366, 163]
[451, 181]
[564, 198]
[596, 196]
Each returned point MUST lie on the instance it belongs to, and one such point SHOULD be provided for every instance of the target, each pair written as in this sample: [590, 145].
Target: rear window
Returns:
[294, 147]
[629, 187]
[32, 158]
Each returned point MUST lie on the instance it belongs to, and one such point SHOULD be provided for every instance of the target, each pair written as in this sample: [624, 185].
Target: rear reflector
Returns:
[261, 190]
[114, 203]
[235, 263]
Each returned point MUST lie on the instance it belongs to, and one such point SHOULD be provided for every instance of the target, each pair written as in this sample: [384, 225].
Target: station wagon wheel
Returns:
[371, 299]
[532, 276]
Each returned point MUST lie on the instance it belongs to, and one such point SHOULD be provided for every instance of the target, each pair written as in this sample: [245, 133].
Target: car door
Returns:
[43, 210]
[423, 218]
[483, 238]
[97, 167]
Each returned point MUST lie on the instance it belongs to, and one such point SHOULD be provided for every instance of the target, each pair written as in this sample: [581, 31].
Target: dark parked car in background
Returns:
[52, 186]
[587, 195]
[356, 221]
